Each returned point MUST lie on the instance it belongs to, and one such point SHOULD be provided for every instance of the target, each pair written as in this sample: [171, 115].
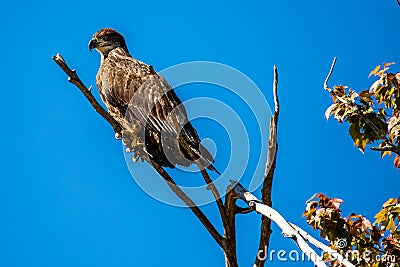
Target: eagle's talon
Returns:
[117, 135]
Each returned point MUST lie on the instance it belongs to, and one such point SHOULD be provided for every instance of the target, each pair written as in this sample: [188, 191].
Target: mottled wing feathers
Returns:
[144, 103]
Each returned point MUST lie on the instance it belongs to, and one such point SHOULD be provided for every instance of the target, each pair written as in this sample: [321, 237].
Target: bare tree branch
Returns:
[398, 2]
[230, 229]
[360, 113]
[74, 79]
[269, 173]
[214, 190]
[189, 202]
[227, 213]
[385, 148]
[240, 210]
[329, 75]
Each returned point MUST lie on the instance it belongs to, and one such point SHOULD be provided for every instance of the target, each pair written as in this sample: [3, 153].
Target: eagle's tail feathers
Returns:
[205, 159]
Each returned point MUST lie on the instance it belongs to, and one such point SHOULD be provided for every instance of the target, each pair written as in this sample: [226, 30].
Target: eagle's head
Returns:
[106, 40]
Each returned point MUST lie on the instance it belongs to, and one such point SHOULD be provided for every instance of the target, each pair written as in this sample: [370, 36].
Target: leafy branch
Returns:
[363, 243]
[374, 114]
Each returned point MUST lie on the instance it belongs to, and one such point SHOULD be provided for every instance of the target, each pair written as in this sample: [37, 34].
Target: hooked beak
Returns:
[93, 44]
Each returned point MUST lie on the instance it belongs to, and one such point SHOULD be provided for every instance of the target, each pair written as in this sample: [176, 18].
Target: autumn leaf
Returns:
[384, 153]
[390, 224]
[340, 90]
[365, 96]
[336, 202]
[375, 86]
[388, 64]
[394, 126]
[390, 202]
[366, 224]
[374, 71]
[380, 216]
[397, 162]
[329, 111]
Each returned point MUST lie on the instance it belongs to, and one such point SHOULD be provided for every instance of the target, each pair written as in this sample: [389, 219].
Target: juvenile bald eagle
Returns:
[143, 102]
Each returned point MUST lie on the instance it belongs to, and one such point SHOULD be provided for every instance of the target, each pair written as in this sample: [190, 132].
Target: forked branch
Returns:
[227, 214]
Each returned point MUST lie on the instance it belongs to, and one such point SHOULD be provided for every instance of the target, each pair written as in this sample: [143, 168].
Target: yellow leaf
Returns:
[390, 224]
[380, 216]
[375, 71]
[390, 202]
[384, 153]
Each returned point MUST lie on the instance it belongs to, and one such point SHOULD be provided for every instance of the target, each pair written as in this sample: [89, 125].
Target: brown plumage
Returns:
[143, 102]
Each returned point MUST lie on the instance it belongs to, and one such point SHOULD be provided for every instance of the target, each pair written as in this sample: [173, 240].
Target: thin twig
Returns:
[74, 79]
[240, 210]
[189, 202]
[398, 2]
[214, 190]
[360, 113]
[270, 165]
[228, 221]
[329, 75]
[385, 148]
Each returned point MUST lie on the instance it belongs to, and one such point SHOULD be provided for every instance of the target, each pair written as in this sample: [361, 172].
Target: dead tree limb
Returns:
[214, 190]
[230, 229]
[190, 203]
[270, 165]
[227, 214]
[74, 79]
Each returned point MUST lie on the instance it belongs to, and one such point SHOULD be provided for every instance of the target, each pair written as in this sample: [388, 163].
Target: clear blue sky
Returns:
[67, 197]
